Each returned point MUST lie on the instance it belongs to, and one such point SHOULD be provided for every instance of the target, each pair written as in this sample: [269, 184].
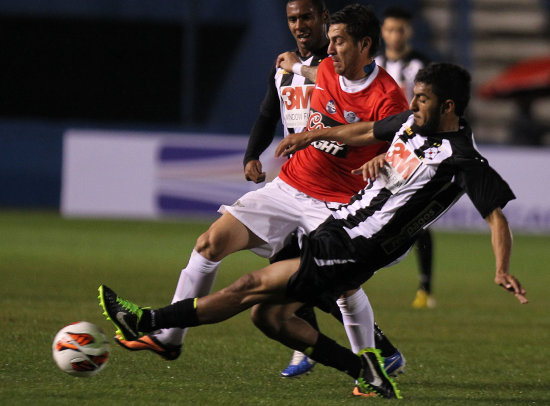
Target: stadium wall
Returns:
[147, 175]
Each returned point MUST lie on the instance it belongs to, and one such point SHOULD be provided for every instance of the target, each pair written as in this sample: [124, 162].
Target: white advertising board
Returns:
[152, 175]
[121, 174]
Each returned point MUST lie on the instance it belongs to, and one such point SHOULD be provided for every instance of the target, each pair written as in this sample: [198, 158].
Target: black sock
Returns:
[424, 249]
[306, 313]
[335, 311]
[145, 325]
[180, 314]
[328, 352]
[382, 343]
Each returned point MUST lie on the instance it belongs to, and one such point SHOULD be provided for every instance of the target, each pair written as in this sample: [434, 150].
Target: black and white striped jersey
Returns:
[287, 99]
[294, 92]
[422, 178]
[404, 70]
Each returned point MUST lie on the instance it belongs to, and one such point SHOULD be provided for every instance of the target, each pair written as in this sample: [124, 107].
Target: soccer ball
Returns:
[80, 349]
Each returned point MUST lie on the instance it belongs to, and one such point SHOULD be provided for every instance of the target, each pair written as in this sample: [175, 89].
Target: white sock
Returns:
[196, 280]
[358, 320]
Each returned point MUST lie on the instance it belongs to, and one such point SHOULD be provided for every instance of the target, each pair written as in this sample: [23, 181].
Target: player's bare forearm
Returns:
[501, 240]
[356, 134]
[310, 72]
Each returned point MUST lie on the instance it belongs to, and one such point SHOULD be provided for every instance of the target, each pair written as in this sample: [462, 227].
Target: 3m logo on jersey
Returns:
[296, 97]
[401, 163]
[402, 159]
[296, 104]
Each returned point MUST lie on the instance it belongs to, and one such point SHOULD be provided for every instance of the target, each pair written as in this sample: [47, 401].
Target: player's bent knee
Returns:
[210, 245]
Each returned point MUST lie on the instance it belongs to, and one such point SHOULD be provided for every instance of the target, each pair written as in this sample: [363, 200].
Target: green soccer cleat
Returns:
[124, 314]
[373, 377]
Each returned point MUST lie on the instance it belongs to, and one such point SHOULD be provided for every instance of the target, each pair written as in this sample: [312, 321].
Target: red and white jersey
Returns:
[323, 170]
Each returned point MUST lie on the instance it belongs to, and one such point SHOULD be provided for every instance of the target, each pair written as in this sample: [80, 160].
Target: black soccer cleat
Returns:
[373, 377]
[124, 314]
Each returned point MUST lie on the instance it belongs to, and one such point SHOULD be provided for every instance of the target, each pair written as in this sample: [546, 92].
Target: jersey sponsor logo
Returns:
[351, 117]
[296, 105]
[401, 163]
[419, 222]
[296, 97]
[316, 121]
[330, 147]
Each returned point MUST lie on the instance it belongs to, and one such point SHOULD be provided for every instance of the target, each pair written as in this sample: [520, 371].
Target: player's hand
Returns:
[292, 143]
[371, 169]
[253, 171]
[511, 284]
[286, 60]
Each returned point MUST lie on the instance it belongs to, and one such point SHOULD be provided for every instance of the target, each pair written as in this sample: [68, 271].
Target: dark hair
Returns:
[319, 5]
[397, 12]
[448, 81]
[360, 22]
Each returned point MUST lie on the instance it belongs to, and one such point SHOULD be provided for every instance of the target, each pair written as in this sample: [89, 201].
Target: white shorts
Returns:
[275, 211]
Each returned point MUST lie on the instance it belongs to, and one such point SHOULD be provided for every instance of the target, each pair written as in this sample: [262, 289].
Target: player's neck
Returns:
[449, 124]
[397, 54]
[306, 53]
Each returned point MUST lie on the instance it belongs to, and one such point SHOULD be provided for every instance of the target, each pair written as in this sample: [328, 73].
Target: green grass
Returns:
[479, 346]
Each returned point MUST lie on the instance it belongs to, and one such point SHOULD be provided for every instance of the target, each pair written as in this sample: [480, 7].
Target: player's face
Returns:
[426, 108]
[307, 25]
[348, 56]
[396, 33]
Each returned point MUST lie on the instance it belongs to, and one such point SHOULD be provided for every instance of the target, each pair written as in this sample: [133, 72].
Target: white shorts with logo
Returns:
[275, 211]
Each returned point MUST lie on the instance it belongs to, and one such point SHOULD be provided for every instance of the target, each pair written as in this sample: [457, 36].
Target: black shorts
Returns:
[330, 265]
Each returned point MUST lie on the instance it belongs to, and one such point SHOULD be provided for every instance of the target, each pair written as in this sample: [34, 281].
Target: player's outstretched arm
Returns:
[501, 239]
[356, 134]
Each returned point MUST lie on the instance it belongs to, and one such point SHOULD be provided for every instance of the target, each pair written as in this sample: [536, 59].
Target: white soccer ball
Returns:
[80, 349]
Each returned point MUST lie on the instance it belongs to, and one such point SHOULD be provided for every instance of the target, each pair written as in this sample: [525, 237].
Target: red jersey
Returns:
[323, 169]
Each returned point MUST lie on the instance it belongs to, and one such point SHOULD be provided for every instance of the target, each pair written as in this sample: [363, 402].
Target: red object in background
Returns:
[529, 78]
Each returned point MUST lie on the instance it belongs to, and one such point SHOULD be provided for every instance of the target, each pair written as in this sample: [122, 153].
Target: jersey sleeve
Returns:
[386, 128]
[263, 131]
[483, 185]
[394, 103]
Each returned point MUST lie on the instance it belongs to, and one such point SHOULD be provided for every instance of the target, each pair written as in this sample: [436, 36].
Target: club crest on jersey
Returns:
[330, 107]
[351, 117]
[431, 153]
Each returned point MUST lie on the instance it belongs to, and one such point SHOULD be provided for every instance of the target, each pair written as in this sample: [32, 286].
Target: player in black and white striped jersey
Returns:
[399, 58]
[288, 93]
[402, 62]
[431, 162]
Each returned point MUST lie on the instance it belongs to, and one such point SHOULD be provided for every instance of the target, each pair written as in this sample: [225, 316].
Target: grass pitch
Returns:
[479, 346]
